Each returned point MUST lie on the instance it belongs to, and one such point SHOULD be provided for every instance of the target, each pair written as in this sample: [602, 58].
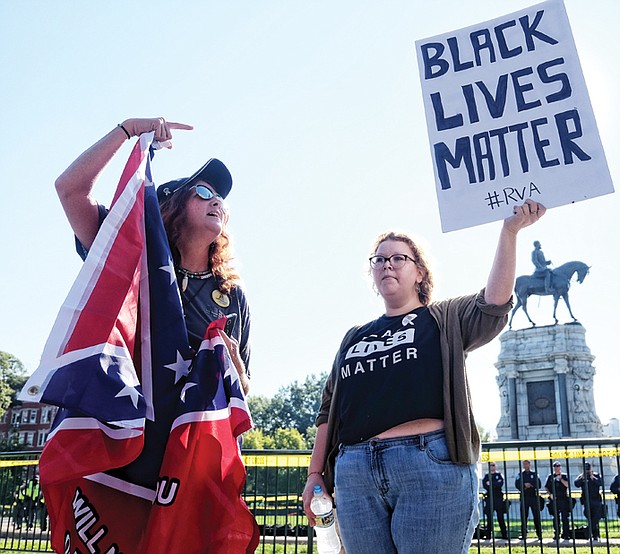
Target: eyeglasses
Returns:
[206, 193]
[396, 260]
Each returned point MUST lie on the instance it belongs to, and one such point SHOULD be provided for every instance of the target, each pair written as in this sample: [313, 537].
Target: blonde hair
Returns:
[425, 287]
[174, 216]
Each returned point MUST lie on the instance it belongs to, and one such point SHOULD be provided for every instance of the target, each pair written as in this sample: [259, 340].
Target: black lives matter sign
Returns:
[509, 117]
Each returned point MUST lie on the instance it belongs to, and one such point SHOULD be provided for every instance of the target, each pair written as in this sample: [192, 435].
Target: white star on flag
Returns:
[180, 367]
[130, 391]
[169, 269]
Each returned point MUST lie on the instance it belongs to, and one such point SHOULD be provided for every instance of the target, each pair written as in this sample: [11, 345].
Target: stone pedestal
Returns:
[545, 380]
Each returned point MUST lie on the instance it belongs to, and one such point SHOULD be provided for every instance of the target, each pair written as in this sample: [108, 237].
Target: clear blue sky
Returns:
[316, 108]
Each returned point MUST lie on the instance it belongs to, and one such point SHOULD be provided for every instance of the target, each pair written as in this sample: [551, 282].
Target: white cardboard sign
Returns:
[509, 117]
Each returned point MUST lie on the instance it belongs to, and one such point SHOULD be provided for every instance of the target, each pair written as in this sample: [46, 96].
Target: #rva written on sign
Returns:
[528, 86]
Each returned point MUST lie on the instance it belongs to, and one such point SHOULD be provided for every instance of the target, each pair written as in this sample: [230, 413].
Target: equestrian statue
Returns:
[546, 282]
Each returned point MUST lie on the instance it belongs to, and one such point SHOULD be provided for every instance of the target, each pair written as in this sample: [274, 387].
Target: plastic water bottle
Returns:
[327, 540]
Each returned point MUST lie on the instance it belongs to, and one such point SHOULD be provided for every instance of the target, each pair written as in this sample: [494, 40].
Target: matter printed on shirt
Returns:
[380, 362]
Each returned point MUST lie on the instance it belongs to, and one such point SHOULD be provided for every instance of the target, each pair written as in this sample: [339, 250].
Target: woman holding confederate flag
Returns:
[195, 217]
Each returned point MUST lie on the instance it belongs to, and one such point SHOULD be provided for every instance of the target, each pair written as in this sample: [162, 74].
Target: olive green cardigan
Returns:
[465, 323]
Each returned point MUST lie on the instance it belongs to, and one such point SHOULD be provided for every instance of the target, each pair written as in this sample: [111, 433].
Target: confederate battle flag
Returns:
[143, 455]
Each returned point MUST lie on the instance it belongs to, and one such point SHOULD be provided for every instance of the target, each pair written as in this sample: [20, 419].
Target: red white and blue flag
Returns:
[143, 455]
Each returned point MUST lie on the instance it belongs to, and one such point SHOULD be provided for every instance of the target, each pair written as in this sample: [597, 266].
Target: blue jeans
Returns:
[404, 495]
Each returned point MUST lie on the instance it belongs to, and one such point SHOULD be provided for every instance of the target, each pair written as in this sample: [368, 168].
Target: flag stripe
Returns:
[121, 485]
[133, 429]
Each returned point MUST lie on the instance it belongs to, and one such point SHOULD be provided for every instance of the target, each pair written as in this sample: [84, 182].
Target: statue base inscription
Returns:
[545, 379]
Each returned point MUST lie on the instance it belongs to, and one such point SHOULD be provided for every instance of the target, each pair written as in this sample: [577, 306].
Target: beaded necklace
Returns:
[191, 275]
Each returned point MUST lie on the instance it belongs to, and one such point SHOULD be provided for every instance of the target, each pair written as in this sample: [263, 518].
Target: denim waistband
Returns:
[409, 440]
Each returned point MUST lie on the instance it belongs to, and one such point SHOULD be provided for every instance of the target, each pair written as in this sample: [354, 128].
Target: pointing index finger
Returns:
[182, 126]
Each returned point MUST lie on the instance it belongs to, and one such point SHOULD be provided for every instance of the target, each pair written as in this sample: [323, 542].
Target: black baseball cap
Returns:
[587, 464]
[214, 172]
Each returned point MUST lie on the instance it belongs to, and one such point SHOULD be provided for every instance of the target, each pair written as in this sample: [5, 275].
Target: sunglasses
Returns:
[206, 193]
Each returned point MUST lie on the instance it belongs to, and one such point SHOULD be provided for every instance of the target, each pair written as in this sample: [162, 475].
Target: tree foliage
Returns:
[255, 439]
[289, 439]
[282, 439]
[286, 421]
[11, 443]
[12, 379]
[485, 434]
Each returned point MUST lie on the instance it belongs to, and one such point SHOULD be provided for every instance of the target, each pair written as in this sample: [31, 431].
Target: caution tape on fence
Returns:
[303, 460]
[17, 463]
[278, 460]
[548, 454]
[250, 460]
[253, 460]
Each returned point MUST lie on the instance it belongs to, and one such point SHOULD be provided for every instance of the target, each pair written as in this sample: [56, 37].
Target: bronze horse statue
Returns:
[526, 285]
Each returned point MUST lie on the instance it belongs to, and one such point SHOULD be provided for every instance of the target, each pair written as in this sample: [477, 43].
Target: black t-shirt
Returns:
[203, 304]
[202, 307]
[390, 373]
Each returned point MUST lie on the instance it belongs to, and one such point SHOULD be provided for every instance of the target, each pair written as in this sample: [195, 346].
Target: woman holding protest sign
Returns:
[396, 433]
[195, 216]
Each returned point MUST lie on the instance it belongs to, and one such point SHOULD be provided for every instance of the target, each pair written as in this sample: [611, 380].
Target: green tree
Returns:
[310, 436]
[12, 379]
[485, 434]
[282, 439]
[289, 439]
[255, 439]
[294, 406]
[262, 413]
[11, 444]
